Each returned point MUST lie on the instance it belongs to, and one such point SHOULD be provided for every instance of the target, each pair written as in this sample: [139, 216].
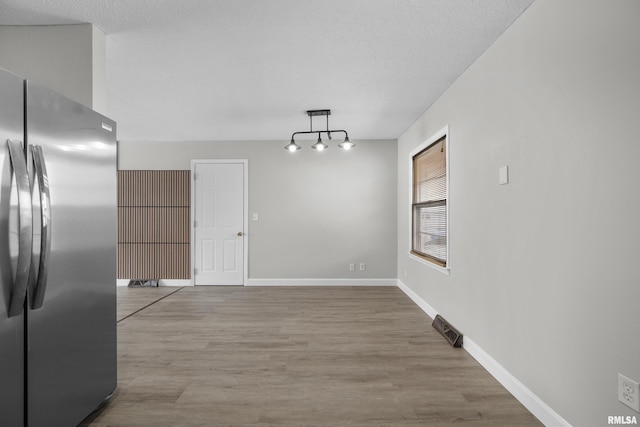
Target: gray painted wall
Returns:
[544, 270]
[318, 212]
[69, 59]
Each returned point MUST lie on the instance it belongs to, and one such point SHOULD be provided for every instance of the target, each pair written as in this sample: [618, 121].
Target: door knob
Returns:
[240, 233]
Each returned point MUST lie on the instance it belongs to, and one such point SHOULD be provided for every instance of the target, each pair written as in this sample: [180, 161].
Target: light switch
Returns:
[503, 175]
[255, 217]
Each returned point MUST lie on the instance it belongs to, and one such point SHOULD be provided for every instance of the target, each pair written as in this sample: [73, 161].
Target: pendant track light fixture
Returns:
[319, 145]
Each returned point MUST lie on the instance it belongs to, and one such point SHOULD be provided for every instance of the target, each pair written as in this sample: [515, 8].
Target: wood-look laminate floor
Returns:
[132, 300]
[288, 356]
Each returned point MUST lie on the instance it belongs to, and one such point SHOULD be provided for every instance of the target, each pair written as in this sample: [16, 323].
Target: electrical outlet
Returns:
[363, 266]
[352, 267]
[629, 392]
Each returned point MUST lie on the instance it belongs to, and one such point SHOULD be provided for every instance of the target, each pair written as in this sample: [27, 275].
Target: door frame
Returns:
[245, 213]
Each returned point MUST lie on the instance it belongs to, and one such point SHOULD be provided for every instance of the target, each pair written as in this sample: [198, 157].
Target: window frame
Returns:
[444, 132]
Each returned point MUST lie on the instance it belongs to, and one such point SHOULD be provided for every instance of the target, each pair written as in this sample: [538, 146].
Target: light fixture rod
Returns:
[312, 114]
[319, 132]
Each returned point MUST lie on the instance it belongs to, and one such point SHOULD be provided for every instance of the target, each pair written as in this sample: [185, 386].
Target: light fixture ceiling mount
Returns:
[319, 145]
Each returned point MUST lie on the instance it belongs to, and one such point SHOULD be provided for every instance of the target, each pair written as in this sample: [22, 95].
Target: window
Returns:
[429, 206]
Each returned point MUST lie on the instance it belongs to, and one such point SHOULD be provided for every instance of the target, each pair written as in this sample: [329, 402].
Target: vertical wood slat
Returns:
[148, 188]
[153, 224]
[150, 261]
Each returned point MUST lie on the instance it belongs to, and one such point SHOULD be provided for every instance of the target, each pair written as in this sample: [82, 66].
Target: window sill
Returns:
[444, 270]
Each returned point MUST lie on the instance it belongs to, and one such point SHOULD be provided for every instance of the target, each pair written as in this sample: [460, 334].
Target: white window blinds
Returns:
[430, 203]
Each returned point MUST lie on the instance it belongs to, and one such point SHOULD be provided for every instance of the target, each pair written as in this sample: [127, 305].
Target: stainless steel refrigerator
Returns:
[57, 257]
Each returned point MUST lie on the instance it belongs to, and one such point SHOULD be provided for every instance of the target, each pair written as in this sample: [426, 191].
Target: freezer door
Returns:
[72, 319]
[11, 327]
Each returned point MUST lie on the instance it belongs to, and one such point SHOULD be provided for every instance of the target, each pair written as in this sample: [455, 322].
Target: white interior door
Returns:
[219, 218]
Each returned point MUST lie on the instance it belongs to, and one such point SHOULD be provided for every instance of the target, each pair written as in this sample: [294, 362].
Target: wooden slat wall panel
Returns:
[153, 188]
[153, 261]
[153, 224]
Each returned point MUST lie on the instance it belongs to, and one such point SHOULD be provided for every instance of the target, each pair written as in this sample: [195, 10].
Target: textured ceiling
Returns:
[249, 69]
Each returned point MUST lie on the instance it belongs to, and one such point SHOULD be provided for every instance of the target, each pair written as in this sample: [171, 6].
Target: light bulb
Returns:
[292, 146]
[346, 144]
[320, 146]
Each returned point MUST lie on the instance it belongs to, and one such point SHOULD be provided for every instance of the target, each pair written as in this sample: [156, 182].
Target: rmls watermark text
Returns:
[622, 419]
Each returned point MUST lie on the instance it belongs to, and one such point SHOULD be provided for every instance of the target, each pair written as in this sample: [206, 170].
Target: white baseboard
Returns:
[431, 312]
[533, 403]
[285, 282]
[162, 282]
[321, 282]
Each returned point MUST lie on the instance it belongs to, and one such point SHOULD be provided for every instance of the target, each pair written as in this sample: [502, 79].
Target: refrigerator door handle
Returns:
[40, 168]
[25, 227]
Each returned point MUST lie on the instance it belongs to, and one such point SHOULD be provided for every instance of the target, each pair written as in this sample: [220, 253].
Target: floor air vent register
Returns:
[448, 332]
